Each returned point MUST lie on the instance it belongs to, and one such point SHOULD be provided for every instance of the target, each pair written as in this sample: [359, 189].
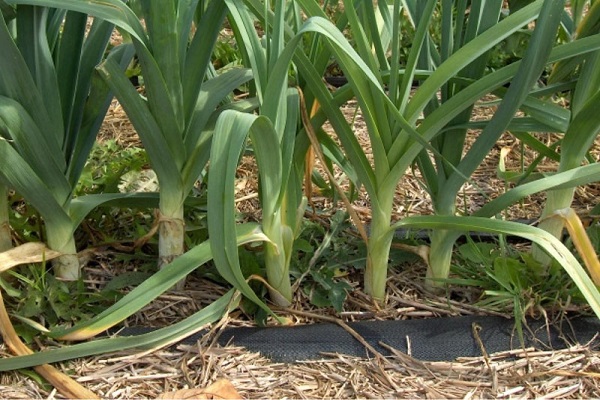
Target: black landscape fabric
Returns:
[435, 339]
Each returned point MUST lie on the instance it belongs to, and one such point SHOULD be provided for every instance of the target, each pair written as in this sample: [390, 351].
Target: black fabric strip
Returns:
[434, 339]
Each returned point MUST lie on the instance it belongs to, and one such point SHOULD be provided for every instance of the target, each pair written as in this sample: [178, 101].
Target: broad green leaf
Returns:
[413, 58]
[269, 160]
[581, 134]
[549, 243]
[15, 78]
[213, 92]
[68, 63]
[17, 173]
[534, 61]
[161, 18]
[41, 153]
[549, 113]
[33, 47]
[153, 287]
[198, 56]
[228, 143]
[469, 53]
[93, 100]
[432, 125]
[113, 11]
[253, 49]
[156, 339]
[568, 179]
[518, 124]
[159, 152]
[352, 147]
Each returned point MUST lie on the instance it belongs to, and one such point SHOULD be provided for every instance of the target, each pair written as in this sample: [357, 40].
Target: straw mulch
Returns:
[522, 373]
[571, 373]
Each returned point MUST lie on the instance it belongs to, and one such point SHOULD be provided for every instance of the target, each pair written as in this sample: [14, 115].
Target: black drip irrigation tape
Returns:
[433, 339]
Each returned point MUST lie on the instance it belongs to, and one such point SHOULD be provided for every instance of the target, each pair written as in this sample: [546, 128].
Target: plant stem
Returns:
[440, 256]
[378, 251]
[442, 242]
[5, 237]
[171, 234]
[60, 238]
[555, 200]
[277, 261]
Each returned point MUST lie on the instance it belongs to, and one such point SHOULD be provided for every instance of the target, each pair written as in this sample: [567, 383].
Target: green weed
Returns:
[325, 259]
[512, 281]
[37, 298]
[109, 162]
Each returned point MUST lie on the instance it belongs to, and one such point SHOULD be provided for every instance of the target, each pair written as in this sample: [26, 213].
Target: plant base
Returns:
[440, 258]
[171, 242]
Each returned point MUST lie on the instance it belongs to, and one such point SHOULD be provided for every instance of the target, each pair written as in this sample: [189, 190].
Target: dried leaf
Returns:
[24, 254]
[582, 242]
[221, 389]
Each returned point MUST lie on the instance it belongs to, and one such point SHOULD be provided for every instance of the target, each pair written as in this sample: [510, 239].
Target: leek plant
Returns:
[183, 94]
[393, 154]
[450, 168]
[51, 108]
[393, 117]
[279, 150]
[8, 13]
[273, 135]
[457, 29]
[583, 123]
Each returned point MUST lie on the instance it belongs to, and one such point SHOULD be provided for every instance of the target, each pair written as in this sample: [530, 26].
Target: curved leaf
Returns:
[114, 11]
[229, 140]
[159, 152]
[39, 151]
[153, 287]
[159, 338]
[549, 243]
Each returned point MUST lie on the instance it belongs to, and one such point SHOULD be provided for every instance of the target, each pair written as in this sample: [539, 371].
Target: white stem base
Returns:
[171, 233]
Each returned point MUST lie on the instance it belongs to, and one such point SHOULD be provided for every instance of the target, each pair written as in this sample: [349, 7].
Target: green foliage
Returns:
[324, 261]
[36, 295]
[226, 55]
[51, 108]
[107, 165]
[512, 281]
[583, 125]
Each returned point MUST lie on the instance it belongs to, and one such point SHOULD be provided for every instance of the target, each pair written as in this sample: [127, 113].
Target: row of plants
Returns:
[59, 75]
